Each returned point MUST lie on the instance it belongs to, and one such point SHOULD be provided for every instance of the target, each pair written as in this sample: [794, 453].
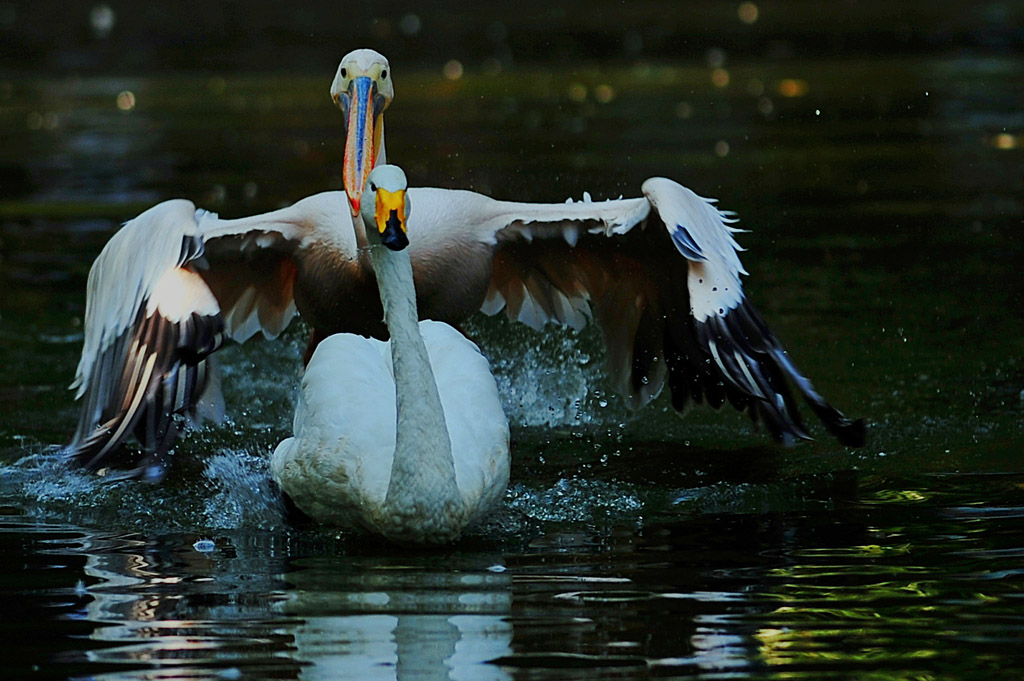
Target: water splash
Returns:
[575, 500]
[244, 496]
[234, 492]
[551, 378]
[536, 390]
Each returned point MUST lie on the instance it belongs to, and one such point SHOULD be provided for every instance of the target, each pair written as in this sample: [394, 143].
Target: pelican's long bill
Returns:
[362, 90]
[389, 216]
[359, 140]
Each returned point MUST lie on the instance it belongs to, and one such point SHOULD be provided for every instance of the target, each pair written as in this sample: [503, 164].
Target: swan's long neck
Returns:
[422, 484]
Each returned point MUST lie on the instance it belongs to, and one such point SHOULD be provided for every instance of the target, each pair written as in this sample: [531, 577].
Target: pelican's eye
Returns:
[373, 187]
[384, 74]
[344, 72]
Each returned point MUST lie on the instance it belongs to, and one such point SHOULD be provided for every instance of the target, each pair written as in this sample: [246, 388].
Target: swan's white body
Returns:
[405, 438]
[659, 274]
[337, 465]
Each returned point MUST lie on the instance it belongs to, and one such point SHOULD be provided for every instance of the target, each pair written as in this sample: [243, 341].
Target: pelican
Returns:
[659, 274]
[446, 462]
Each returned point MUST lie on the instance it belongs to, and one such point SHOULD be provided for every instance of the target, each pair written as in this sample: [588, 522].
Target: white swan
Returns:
[406, 438]
[659, 274]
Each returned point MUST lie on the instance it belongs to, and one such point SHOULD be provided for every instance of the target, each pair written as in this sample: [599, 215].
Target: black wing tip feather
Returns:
[736, 358]
[152, 410]
[851, 433]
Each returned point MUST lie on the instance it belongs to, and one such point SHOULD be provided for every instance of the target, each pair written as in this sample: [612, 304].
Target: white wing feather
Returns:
[124, 275]
[701, 233]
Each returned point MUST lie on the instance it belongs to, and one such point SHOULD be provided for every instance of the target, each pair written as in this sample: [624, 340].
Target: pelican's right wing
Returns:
[162, 295]
[661, 277]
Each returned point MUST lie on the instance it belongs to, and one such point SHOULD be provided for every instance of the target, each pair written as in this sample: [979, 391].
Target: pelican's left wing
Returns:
[150, 325]
[163, 294]
[661, 277]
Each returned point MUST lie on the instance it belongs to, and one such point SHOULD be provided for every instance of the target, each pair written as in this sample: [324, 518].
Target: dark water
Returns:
[876, 157]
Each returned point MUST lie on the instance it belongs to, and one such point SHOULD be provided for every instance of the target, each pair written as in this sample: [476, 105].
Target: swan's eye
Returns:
[384, 74]
[344, 72]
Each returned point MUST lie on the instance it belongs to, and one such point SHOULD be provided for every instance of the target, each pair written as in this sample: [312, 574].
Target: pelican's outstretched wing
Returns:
[661, 277]
[150, 324]
[155, 311]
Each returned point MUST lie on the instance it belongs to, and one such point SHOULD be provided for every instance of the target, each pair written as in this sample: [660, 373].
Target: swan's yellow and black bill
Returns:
[389, 215]
[363, 128]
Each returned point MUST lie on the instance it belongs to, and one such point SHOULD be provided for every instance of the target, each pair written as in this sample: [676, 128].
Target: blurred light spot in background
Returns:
[747, 12]
[126, 100]
[715, 58]
[720, 78]
[604, 93]
[721, 148]
[1005, 140]
[577, 92]
[410, 24]
[217, 194]
[453, 69]
[792, 87]
[102, 19]
[684, 110]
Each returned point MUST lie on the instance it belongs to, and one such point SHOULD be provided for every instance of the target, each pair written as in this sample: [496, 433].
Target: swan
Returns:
[407, 438]
[659, 274]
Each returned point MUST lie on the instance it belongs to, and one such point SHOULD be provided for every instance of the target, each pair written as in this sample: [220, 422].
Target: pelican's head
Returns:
[386, 217]
[362, 90]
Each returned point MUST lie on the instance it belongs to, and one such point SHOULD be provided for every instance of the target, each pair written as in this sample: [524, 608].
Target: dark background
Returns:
[137, 38]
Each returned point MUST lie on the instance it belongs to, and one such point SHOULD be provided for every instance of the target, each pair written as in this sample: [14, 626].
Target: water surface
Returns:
[883, 193]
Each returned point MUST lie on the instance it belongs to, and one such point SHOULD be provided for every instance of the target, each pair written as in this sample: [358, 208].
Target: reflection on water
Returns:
[401, 620]
[924, 583]
[239, 607]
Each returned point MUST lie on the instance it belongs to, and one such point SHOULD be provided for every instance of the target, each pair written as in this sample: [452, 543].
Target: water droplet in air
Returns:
[204, 546]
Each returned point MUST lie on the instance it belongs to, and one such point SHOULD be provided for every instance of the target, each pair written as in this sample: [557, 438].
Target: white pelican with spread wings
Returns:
[659, 274]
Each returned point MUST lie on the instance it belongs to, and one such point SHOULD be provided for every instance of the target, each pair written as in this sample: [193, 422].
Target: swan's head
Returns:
[362, 90]
[386, 216]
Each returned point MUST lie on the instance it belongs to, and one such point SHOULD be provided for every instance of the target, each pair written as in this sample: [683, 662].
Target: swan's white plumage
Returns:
[337, 465]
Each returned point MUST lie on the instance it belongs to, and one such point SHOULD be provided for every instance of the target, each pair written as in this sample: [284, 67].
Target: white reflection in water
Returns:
[191, 612]
[451, 625]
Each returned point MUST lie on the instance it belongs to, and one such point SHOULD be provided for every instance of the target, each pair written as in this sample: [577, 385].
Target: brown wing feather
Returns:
[153, 373]
[636, 288]
[606, 278]
[255, 287]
